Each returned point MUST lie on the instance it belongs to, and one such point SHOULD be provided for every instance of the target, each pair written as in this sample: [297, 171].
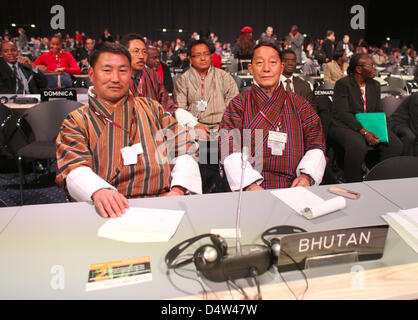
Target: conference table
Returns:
[46, 250]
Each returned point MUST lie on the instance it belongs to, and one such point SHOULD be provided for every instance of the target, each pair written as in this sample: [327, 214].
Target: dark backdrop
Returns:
[223, 17]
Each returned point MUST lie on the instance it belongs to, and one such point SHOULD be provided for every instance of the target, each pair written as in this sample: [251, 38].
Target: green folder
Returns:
[376, 123]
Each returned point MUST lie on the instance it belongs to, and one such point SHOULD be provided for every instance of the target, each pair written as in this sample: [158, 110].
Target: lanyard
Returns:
[202, 81]
[363, 97]
[133, 123]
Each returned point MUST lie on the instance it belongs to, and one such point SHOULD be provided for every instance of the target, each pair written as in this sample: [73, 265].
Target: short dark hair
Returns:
[129, 37]
[110, 47]
[195, 43]
[330, 32]
[267, 44]
[3, 42]
[338, 54]
[290, 51]
[354, 61]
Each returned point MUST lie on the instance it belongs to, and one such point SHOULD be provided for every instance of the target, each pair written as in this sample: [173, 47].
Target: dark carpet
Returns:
[40, 187]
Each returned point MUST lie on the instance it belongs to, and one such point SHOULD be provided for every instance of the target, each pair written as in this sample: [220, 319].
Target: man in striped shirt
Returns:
[119, 146]
[281, 130]
[145, 81]
[201, 95]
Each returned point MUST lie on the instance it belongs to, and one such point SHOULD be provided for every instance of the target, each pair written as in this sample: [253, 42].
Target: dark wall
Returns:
[224, 17]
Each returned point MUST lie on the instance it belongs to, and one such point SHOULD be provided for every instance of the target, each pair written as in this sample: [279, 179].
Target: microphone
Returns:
[244, 158]
[248, 259]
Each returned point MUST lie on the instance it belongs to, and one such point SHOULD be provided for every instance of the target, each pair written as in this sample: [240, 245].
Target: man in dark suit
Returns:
[358, 93]
[18, 75]
[81, 54]
[409, 59]
[329, 45]
[292, 83]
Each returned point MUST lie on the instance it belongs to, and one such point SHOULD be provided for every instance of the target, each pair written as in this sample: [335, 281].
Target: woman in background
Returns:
[57, 64]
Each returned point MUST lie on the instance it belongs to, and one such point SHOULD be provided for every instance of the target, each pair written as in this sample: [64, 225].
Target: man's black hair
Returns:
[109, 47]
[338, 53]
[354, 61]
[129, 37]
[195, 43]
[290, 51]
[267, 44]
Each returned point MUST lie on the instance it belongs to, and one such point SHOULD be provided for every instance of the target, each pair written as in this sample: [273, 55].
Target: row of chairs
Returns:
[32, 136]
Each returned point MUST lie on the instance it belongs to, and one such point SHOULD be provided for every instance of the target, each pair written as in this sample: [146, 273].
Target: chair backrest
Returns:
[396, 83]
[394, 168]
[5, 116]
[390, 104]
[5, 113]
[238, 81]
[45, 119]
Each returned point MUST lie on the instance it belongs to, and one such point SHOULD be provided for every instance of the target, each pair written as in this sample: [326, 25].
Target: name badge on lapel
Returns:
[201, 105]
[130, 154]
[277, 142]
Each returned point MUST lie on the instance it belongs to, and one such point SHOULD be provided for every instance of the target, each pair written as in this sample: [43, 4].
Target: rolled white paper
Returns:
[324, 208]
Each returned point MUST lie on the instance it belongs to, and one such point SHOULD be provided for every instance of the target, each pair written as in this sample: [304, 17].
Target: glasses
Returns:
[373, 65]
[137, 52]
[206, 55]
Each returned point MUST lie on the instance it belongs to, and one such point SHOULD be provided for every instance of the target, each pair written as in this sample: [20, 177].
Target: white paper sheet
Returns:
[140, 225]
[405, 223]
[300, 198]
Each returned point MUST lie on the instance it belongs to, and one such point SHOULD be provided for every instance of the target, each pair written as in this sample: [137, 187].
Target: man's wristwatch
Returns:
[185, 191]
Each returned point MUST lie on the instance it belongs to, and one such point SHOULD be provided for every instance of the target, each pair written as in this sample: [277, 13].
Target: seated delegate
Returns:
[59, 62]
[120, 146]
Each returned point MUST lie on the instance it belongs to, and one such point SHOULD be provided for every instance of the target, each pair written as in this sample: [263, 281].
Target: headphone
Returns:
[274, 243]
[4, 100]
[206, 256]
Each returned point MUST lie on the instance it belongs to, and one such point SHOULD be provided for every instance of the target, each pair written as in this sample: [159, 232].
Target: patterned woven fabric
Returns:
[254, 114]
[89, 140]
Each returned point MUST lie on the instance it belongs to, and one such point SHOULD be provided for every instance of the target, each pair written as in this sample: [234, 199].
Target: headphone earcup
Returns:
[207, 256]
[275, 247]
[220, 243]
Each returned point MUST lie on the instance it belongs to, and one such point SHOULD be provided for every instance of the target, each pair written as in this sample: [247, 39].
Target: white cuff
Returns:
[313, 164]
[184, 117]
[186, 174]
[82, 182]
[233, 170]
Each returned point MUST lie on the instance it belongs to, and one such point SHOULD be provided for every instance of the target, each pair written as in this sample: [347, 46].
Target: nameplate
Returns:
[47, 94]
[178, 70]
[367, 242]
[323, 92]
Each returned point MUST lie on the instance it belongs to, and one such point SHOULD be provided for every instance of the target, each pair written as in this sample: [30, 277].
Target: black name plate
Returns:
[70, 94]
[367, 242]
[324, 92]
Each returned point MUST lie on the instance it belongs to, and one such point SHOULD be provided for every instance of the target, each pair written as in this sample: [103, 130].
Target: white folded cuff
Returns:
[185, 118]
[233, 170]
[82, 182]
[313, 163]
[186, 174]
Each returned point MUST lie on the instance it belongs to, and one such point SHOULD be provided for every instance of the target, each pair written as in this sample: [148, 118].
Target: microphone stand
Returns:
[244, 158]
